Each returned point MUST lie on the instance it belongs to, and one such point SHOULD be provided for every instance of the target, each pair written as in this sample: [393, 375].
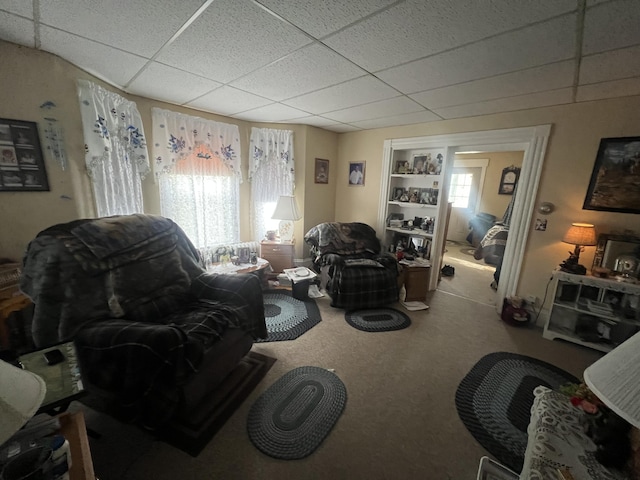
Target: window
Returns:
[205, 207]
[197, 164]
[460, 190]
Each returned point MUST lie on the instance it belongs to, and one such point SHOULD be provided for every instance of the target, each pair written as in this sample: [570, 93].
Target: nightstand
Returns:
[278, 254]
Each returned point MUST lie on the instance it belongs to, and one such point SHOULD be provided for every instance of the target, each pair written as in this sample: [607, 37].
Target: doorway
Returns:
[475, 191]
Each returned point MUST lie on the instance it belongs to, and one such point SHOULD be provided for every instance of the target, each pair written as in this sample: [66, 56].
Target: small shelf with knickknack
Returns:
[599, 313]
[412, 206]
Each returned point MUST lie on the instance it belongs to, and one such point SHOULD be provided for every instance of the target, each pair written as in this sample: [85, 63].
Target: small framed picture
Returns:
[397, 193]
[402, 167]
[322, 171]
[356, 173]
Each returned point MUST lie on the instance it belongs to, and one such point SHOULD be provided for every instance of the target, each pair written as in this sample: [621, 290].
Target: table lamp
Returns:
[21, 394]
[580, 235]
[614, 380]
[287, 212]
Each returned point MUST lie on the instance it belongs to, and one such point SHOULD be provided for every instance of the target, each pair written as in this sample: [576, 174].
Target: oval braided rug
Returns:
[494, 401]
[295, 414]
[378, 319]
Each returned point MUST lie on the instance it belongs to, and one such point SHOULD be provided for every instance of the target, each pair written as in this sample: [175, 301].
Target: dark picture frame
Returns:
[610, 246]
[613, 186]
[21, 161]
[356, 180]
[321, 171]
[508, 180]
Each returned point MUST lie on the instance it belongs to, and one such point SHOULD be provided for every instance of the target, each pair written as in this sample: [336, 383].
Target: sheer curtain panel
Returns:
[197, 165]
[271, 172]
[115, 149]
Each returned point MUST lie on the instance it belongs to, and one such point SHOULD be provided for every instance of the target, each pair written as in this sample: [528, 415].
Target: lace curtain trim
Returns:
[192, 145]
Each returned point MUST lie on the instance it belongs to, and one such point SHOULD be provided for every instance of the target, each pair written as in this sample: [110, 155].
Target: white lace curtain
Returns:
[115, 149]
[271, 172]
[197, 165]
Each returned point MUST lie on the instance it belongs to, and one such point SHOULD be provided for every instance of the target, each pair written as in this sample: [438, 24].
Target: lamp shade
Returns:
[286, 209]
[21, 394]
[614, 379]
[580, 234]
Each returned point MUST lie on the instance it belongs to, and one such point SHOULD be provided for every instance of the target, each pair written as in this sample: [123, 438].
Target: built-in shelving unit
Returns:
[412, 204]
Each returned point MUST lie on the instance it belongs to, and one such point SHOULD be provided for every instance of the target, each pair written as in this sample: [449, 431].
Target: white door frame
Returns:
[533, 142]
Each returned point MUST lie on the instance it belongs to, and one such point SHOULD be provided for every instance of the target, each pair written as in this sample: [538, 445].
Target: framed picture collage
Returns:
[21, 161]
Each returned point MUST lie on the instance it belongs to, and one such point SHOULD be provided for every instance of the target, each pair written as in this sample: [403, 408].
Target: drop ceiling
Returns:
[344, 65]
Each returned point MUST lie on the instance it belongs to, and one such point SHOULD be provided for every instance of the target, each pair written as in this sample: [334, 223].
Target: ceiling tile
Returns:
[522, 102]
[343, 128]
[308, 69]
[17, 30]
[407, 119]
[384, 108]
[228, 101]
[169, 84]
[114, 66]
[19, 7]
[232, 38]
[316, 121]
[611, 65]
[547, 77]
[275, 112]
[322, 18]
[611, 25]
[540, 44]
[613, 89]
[348, 94]
[119, 23]
[415, 28]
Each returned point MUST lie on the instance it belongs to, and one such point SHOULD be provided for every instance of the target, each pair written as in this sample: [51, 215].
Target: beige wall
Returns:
[491, 202]
[575, 136]
[29, 78]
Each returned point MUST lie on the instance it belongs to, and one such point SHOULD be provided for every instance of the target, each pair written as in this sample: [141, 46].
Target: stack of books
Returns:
[9, 279]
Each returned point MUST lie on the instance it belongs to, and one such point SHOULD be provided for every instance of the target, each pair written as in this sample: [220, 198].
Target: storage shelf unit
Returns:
[599, 313]
[415, 196]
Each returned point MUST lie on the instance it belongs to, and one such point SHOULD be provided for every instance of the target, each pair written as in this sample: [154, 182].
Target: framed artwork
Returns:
[508, 180]
[402, 167]
[321, 171]
[615, 179]
[356, 173]
[21, 160]
[397, 193]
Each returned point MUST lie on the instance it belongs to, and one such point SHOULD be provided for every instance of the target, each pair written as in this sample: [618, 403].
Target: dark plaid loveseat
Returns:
[151, 327]
[354, 271]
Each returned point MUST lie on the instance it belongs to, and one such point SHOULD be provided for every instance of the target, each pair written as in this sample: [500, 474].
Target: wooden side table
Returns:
[8, 306]
[416, 283]
[278, 254]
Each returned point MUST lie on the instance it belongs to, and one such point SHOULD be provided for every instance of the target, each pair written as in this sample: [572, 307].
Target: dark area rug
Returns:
[287, 318]
[494, 401]
[378, 319]
[223, 403]
[295, 414]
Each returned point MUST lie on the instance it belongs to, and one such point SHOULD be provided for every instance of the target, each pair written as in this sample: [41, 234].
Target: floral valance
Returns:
[113, 129]
[187, 144]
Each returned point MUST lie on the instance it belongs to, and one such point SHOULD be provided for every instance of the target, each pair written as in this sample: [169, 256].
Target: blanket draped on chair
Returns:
[133, 295]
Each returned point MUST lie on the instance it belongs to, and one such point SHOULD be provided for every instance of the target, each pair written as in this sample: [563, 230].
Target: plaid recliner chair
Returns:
[353, 270]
